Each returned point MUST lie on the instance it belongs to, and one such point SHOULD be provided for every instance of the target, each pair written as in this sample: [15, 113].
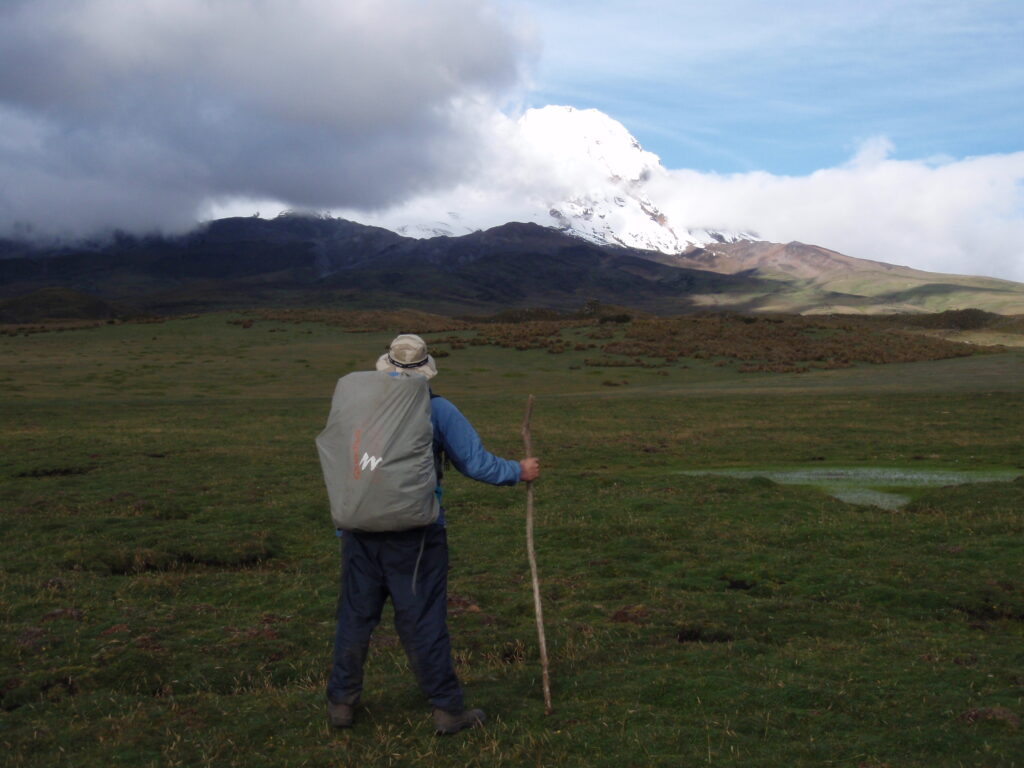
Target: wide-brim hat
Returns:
[407, 353]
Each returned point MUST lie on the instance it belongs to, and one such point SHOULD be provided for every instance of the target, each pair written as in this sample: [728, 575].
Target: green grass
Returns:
[169, 574]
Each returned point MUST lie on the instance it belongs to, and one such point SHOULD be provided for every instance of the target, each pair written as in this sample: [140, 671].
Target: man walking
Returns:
[411, 567]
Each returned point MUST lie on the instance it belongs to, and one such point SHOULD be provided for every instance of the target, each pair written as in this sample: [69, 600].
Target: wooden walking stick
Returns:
[533, 565]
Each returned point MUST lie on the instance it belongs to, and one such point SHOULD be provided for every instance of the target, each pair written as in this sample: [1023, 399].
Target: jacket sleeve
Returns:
[464, 448]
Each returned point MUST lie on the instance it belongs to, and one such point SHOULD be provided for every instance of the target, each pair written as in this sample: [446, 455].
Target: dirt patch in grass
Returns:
[696, 633]
[992, 715]
[631, 614]
[995, 602]
[458, 604]
[55, 471]
[74, 614]
[34, 639]
[50, 686]
[126, 561]
[741, 584]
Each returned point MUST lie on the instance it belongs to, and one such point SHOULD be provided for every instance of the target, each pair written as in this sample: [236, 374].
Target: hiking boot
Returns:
[447, 723]
[340, 715]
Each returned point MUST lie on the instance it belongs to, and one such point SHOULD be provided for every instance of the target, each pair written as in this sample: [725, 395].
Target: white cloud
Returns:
[960, 216]
[139, 114]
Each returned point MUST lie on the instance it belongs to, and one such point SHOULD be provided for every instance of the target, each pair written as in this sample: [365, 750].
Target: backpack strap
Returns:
[441, 461]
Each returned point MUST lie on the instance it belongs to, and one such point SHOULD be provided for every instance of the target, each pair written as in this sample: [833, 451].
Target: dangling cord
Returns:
[416, 570]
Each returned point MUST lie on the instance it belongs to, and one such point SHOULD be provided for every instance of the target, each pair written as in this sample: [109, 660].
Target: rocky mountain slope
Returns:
[820, 280]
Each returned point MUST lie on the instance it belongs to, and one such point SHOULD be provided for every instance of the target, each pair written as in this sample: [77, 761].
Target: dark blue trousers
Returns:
[376, 566]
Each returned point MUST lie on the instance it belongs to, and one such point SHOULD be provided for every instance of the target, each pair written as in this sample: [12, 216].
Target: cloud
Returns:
[139, 115]
[528, 164]
[963, 216]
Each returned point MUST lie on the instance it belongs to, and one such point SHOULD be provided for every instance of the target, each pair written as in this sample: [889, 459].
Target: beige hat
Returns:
[408, 354]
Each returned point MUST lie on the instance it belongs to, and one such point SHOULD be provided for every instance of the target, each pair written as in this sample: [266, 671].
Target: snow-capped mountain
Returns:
[577, 170]
[613, 206]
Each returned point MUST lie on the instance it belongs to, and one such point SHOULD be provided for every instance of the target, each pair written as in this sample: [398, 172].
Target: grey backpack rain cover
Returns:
[377, 454]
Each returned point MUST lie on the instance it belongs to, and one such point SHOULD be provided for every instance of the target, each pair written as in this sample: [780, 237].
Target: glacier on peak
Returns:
[576, 170]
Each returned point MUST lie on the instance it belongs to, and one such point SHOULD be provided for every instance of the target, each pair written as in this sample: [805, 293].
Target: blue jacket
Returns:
[462, 445]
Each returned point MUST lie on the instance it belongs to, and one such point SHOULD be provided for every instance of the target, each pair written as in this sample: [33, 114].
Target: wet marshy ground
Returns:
[885, 487]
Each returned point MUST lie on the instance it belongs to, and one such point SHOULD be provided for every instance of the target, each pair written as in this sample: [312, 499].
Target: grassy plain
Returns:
[169, 573]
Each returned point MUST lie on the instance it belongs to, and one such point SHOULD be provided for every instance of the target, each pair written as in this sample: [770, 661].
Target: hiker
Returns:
[410, 566]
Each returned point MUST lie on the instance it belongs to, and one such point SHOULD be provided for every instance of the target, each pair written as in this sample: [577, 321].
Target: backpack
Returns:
[377, 454]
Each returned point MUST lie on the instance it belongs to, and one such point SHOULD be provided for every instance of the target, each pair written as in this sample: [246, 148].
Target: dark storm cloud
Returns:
[134, 113]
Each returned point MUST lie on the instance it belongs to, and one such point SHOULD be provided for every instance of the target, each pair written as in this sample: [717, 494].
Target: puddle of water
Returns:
[874, 486]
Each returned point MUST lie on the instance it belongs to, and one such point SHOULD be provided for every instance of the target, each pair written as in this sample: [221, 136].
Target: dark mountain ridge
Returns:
[239, 262]
[305, 260]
